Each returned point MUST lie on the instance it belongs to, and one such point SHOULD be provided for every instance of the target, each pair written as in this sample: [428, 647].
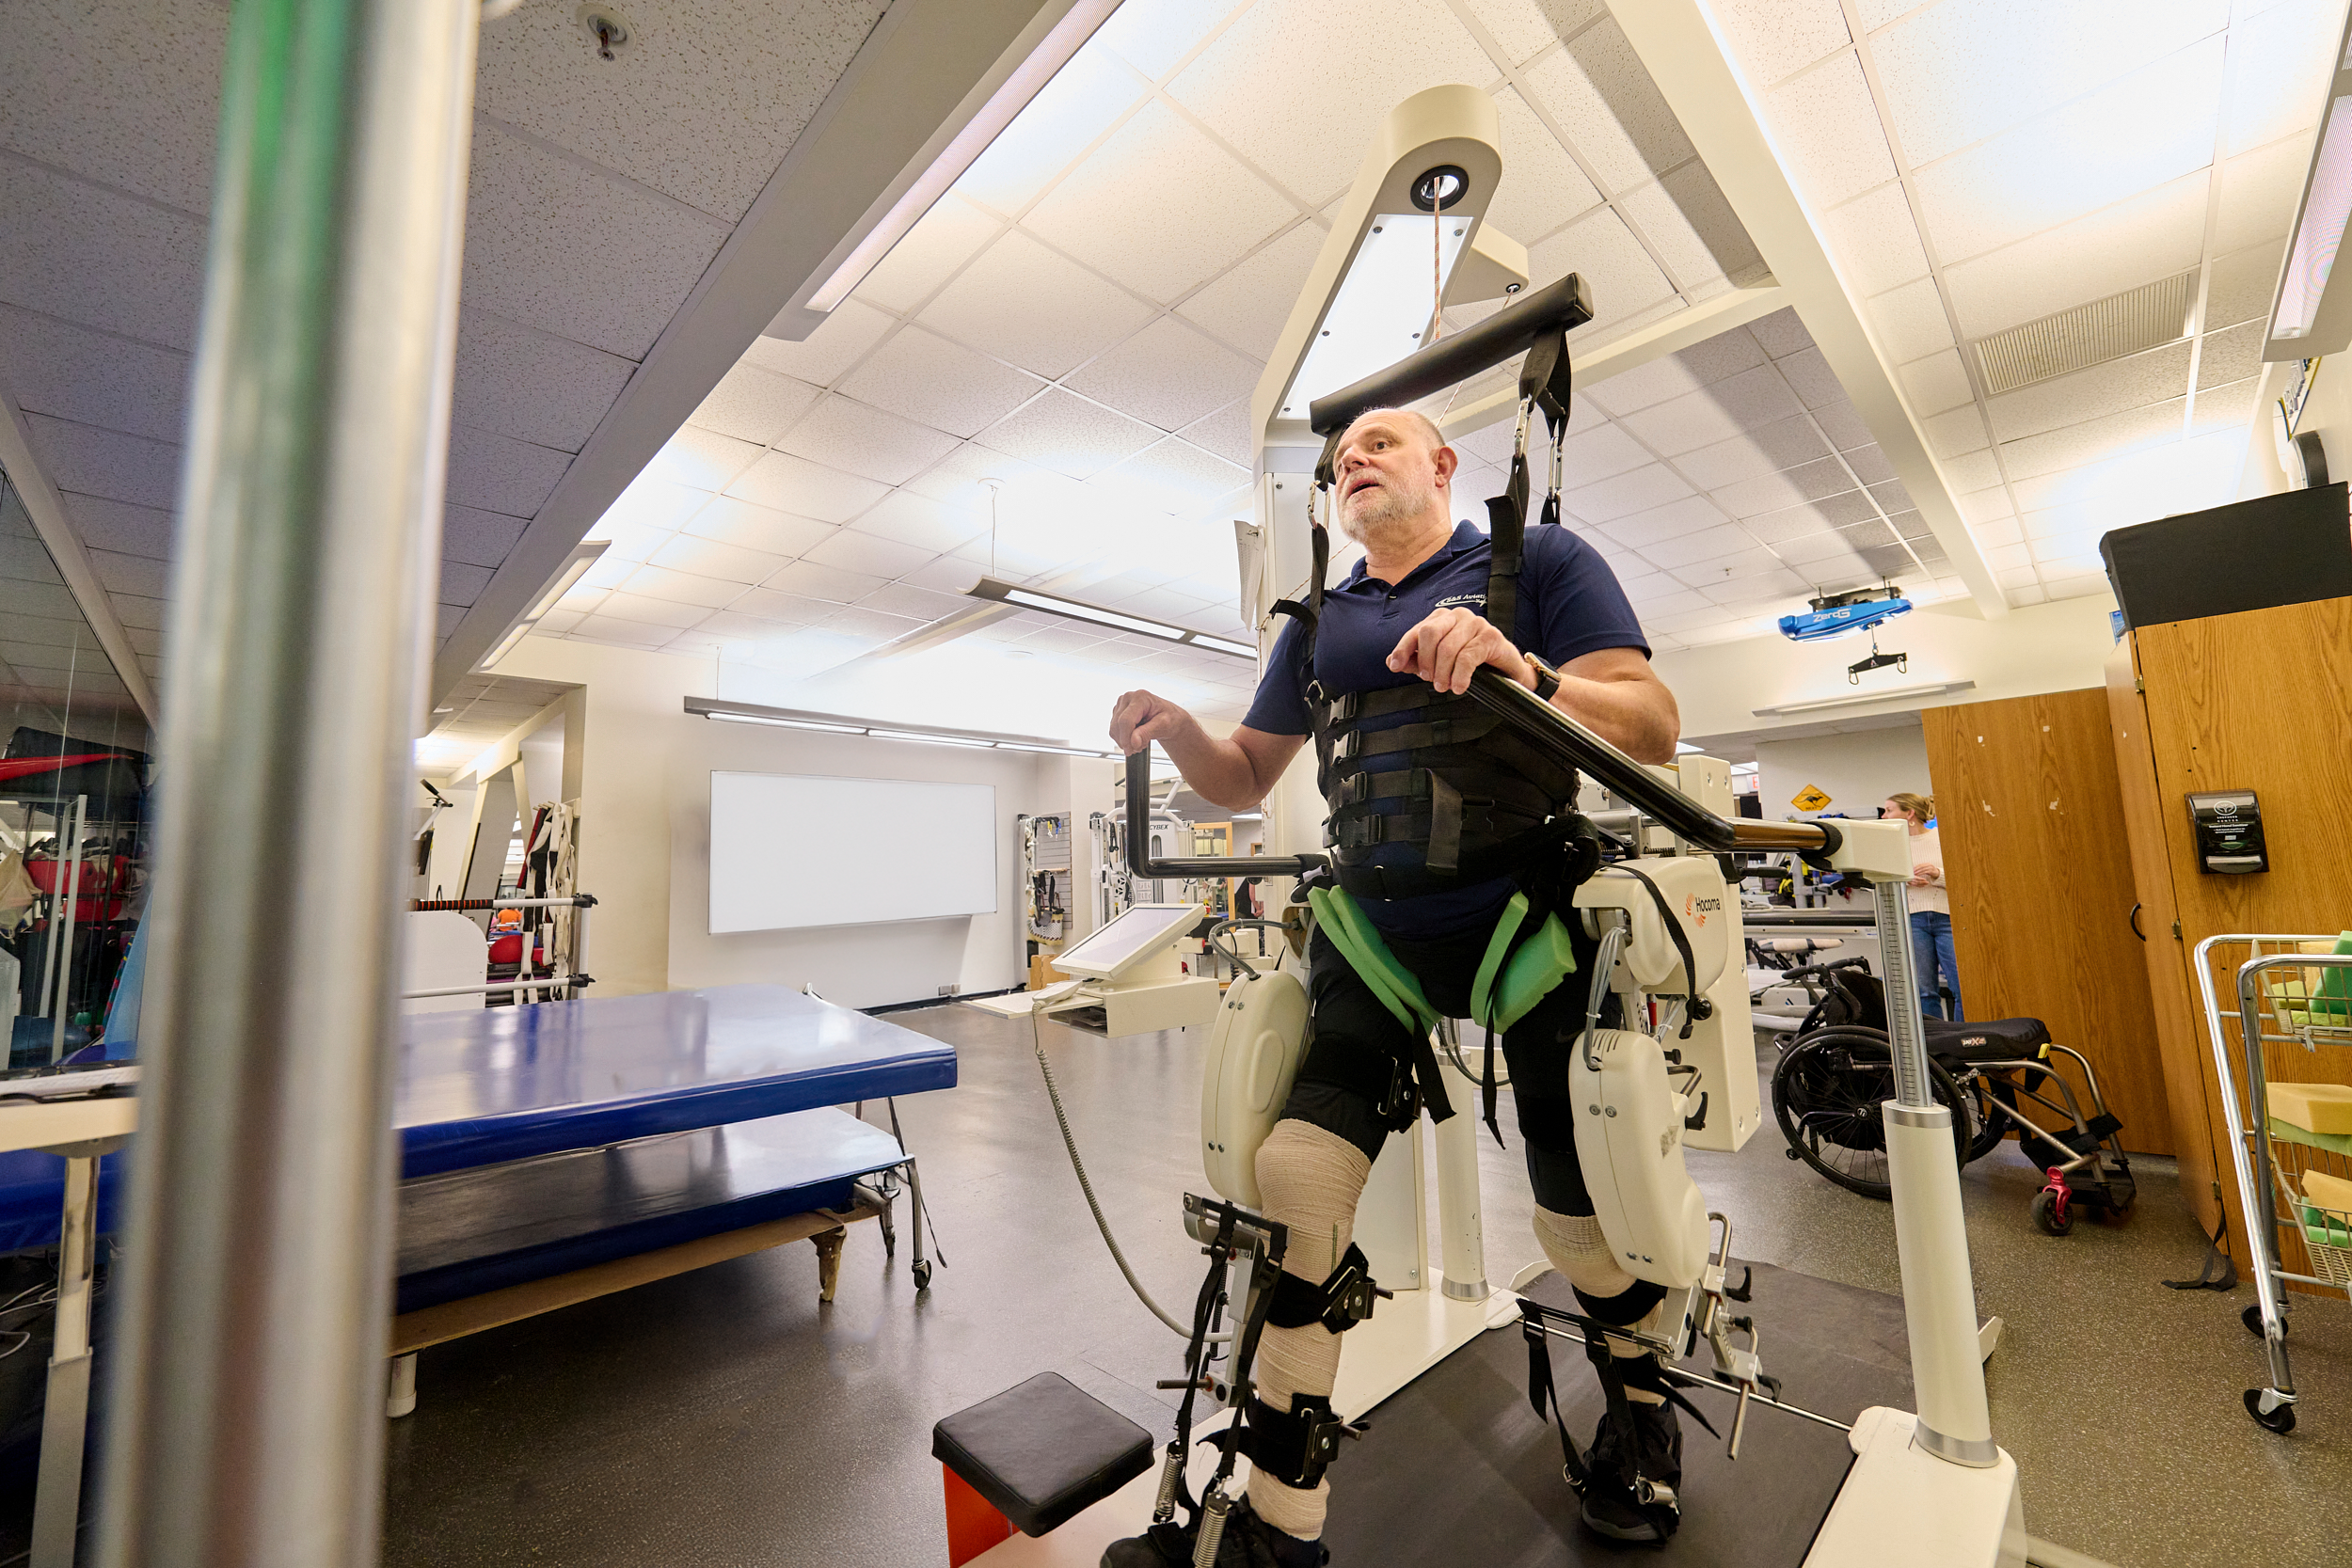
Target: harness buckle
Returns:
[1401, 1105]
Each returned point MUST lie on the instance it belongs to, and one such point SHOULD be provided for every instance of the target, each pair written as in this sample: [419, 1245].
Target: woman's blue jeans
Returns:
[1931, 962]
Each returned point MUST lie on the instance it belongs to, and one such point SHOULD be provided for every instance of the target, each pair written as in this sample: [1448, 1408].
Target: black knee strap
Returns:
[1339, 1304]
[1297, 1446]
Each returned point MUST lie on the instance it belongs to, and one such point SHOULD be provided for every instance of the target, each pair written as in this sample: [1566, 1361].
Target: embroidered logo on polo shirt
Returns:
[1472, 601]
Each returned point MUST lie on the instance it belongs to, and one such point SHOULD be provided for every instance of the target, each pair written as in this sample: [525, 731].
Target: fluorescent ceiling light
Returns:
[1003, 106]
[584, 555]
[1683, 748]
[2306, 320]
[835, 724]
[1382, 306]
[1094, 614]
[1936, 689]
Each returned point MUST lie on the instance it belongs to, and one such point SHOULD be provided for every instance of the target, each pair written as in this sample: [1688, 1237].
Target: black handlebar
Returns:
[1559, 308]
[1569, 743]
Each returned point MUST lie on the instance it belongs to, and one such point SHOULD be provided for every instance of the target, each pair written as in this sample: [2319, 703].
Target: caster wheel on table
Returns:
[2280, 1420]
[2053, 1220]
[923, 1275]
[2252, 1318]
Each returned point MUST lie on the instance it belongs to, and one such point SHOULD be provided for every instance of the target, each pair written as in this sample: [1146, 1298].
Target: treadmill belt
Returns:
[1457, 1468]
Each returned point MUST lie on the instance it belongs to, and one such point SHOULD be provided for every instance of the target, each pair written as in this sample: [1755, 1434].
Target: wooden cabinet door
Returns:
[2040, 874]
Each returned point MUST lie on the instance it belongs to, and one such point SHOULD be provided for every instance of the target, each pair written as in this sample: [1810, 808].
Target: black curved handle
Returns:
[1139, 859]
[2134, 918]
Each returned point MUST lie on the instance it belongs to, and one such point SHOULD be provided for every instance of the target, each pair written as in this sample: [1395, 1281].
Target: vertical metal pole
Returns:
[247, 1426]
[71, 867]
[1930, 1231]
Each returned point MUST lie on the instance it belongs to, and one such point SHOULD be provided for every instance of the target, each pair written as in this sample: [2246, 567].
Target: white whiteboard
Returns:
[788, 851]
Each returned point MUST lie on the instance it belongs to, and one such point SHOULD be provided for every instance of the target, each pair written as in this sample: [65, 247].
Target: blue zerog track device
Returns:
[1837, 614]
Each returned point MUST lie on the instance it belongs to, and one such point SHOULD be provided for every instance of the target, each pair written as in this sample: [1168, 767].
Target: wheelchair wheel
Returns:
[1826, 1094]
[1992, 1124]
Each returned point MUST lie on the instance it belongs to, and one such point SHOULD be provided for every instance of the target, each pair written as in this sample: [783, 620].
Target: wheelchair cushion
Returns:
[1999, 1039]
[1043, 1451]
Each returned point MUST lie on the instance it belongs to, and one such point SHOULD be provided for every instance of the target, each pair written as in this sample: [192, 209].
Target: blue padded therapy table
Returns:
[561, 1151]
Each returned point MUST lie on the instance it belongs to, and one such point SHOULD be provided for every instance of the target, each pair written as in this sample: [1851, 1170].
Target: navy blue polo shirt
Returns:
[1570, 605]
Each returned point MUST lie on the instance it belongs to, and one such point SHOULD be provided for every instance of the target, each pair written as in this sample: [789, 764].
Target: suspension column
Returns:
[1931, 1233]
[247, 1416]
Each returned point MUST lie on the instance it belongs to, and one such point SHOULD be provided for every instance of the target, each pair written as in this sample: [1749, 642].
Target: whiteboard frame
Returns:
[995, 858]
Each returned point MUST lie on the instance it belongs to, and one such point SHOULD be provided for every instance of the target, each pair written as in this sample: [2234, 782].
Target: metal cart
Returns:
[2291, 1024]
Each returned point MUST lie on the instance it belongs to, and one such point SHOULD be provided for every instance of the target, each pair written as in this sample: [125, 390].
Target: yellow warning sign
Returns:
[1810, 798]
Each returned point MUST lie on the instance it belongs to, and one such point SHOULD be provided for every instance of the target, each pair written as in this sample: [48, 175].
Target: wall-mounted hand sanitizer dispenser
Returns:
[2229, 833]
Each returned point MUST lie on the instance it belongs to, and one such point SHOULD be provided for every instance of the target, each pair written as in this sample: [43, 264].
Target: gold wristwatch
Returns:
[1546, 678]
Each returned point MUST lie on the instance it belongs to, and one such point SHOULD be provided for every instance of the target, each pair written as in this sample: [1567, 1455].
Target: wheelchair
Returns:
[1836, 1071]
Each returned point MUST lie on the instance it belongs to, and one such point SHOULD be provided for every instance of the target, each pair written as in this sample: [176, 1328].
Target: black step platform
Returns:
[1459, 1469]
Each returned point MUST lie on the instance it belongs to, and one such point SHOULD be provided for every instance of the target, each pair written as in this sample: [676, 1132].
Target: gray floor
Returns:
[728, 1417]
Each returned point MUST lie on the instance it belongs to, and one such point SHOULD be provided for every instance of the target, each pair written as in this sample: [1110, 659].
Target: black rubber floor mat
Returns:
[1458, 1470]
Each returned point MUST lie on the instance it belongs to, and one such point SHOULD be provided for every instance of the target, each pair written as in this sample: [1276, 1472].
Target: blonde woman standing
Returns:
[1931, 905]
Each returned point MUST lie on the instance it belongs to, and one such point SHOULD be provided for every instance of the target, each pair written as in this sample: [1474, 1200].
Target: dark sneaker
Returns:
[1635, 1475]
[1249, 1541]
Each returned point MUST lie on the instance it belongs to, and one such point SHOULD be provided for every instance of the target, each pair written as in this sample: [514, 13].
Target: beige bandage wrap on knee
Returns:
[1310, 1180]
[1576, 1248]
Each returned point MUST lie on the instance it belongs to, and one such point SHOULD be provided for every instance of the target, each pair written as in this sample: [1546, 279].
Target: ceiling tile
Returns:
[2155, 376]
[553, 243]
[105, 463]
[1820, 556]
[1938, 382]
[1701, 365]
[624, 633]
[1068, 434]
[2154, 235]
[2279, 71]
[2258, 192]
[934, 382]
[1743, 402]
[1835, 148]
[806, 489]
[130, 574]
[842, 433]
[1775, 39]
[1782, 444]
[1525, 28]
[2132, 136]
[1687, 220]
[1910, 321]
[1023, 303]
[1891, 497]
[483, 538]
[1542, 188]
[701, 459]
[105, 525]
[2226, 407]
[919, 604]
[1764, 588]
[96, 256]
[728, 521]
[1876, 240]
[797, 610]
[2232, 354]
[650, 611]
[110, 91]
[1589, 458]
[909, 518]
[809, 580]
[1975, 470]
[1795, 522]
[1225, 432]
[1811, 379]
[1869, 464]
[534, 385]
[1967, 70]
[1734, 558]
[1168, 374]
[1780, 333]
[949, 235]
[2091, 440]
[1843, 426]
[73, 373]
[1956, 431]
[1640, 529]
[1307, 127]
[1172, 475]
[852, 551]
[1248, 305]
[1159, 207]
[1620, 273]
[1153, 34]
[708, 557]
[2242, 285]
[1626, 493]
[1753, 497]
[680, 588]
[1065, 116]
[1598, 93]
[840, 340]
[752, 405]
[947, 575]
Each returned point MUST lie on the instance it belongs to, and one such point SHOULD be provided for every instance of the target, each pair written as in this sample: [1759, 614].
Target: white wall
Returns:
[644, 793]
[1856, 770]
[2047, 647]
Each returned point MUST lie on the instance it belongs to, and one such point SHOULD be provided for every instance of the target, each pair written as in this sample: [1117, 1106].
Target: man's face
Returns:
[1390, 472]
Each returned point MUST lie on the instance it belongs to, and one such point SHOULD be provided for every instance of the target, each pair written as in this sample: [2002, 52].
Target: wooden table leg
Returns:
[829, 1259]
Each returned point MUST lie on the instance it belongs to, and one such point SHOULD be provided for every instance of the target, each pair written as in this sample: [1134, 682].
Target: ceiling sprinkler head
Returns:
[607, 28]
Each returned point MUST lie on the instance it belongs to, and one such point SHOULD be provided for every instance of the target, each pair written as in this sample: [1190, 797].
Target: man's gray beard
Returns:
[1388, 509]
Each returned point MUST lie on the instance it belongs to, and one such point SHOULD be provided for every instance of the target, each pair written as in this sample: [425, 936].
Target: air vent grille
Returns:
[2087, 335]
